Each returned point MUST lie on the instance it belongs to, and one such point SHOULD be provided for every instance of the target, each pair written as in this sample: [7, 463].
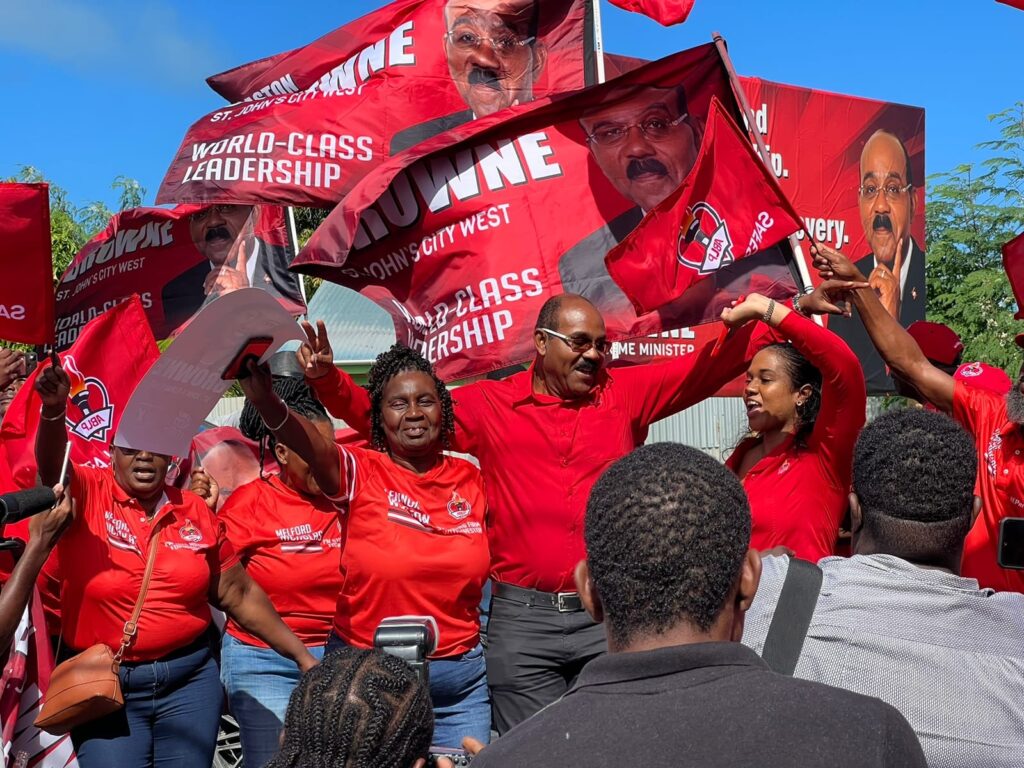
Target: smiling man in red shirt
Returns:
[543, 437]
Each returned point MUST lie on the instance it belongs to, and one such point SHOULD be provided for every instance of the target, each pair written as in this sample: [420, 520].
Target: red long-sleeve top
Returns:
[541, 455]
[799, 491]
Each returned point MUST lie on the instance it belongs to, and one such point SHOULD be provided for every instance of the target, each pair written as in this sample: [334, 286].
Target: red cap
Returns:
[984, 376]
[938, 342]
[1019, 338]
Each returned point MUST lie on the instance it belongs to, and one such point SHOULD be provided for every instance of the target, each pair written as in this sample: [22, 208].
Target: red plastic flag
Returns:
[728, 208]
[26, 291]
[1013, 263]
[665, 12]
[112, 353]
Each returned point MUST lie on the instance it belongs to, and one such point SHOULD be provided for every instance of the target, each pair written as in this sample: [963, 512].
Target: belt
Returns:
[563, 602]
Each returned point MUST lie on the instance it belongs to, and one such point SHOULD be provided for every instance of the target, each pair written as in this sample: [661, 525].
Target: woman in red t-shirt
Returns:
[415, 541]
[288, 536]
[806, 405]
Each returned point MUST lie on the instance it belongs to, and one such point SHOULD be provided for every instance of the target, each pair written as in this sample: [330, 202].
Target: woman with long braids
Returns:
[288, 536]
[805, 405]
[415, 538]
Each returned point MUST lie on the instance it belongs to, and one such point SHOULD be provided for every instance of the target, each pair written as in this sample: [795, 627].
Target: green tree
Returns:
[972, 211]
[306, 222]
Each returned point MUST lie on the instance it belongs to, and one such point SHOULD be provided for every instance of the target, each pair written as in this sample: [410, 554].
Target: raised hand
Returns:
[315, 355]
[258, 386]
[828, 296]
[753, 307]
[203, 485]
[225, 279]
[46, 527]
[886, 283]
[831, 263]
[12, 366]
[53, 386]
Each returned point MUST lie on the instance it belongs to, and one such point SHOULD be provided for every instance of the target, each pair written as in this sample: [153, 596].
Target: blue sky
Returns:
[97, 89]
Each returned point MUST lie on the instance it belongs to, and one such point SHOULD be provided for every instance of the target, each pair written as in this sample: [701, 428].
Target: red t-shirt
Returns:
[415, 546]
[540, 455]
[103, 559]
[799, 494]
[999, 443]
[290, 544]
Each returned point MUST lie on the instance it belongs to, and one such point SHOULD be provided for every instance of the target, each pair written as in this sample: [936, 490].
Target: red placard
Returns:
[26, 291]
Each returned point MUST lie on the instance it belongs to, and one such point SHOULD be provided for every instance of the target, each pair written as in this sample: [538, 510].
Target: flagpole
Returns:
[748, 114]
[598, 42]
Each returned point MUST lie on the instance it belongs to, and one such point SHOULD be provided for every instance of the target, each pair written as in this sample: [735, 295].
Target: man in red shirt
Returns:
[996, 423]
[543, 437]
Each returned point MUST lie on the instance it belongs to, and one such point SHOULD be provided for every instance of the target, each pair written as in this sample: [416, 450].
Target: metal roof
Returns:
[359, 330]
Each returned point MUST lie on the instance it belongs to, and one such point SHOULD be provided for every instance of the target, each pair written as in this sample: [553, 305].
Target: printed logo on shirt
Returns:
[89, 414]
[458, 507]
[784, 468]
[970, 370]
[994, 444]
[407, 511]
[190, 533]
[300, 539]
[119, 535]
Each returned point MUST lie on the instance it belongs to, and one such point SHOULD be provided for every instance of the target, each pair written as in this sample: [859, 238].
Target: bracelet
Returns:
[287, 413]
[59, 417]
[769, 312]
[796, 305]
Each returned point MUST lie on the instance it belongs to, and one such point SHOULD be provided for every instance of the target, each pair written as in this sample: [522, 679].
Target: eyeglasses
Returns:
[205, 212]
[578, 343]
[653, 128]
[892, 191]
[503, 45]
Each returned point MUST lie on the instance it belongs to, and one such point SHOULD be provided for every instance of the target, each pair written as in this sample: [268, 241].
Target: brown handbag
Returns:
[88, 686]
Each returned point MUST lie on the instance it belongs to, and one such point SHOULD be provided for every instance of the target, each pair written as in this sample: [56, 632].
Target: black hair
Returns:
[801, 372]
[357, 708]
[667, 528]
[402, 359]
[299, 398]
[914, 472]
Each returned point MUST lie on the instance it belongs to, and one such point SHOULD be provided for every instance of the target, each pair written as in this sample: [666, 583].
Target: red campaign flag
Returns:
[308, 124]
[1018, 4]
[26, 291]
[178, 261]
[727, 209]
[1013, 263]
[665, 12]
[106, 362]
[463, 238]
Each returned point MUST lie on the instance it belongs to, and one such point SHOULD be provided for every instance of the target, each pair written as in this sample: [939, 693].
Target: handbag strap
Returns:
[131, 626]
[793, 613]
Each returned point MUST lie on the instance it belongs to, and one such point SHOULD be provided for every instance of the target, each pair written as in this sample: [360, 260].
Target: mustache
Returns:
[490, 78]
[645, 165]
[882, 221]
[217, 233]
[586, 366]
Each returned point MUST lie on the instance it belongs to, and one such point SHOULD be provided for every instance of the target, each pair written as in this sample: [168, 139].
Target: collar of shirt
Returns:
[122, 498]
[523, 391]
[1011, 429]
[900, 568]
[614, 668]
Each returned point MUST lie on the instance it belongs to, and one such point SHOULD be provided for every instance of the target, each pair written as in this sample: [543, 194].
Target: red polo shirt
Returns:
[540, 455]
[290, 544]
[103, 558]
[416, 546]
[799, 493]
[999, 443]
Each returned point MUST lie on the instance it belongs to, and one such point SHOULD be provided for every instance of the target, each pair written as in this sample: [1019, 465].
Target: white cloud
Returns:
[139, 40]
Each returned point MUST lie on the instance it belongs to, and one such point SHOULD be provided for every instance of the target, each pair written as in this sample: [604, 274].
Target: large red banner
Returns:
[463, 239]
[26, 291]
[178, 261]
[308, 124]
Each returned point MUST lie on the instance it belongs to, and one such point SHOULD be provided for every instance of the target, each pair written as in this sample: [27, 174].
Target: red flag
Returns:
[112, 353]
[665, 12]
[1013, 263]
[308, 124]
[26, 291]
[727, 209]
[1018, 4]
[177, 261]
[465, 237]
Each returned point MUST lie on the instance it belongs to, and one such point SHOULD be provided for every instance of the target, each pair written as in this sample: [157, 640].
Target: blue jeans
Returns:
[259, 682]
[458, 691]
[170, 718]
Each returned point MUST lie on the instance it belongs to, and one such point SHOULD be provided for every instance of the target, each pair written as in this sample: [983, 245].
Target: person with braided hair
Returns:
[806, 404]
[415, 538]
[288, 536]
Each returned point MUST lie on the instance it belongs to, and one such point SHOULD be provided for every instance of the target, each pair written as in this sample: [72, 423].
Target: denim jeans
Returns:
[170, 718]
[458, 691]
[259, 682]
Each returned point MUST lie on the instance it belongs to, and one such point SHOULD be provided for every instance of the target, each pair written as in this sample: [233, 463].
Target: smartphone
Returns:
[1011, 543]
[458, 757]
[254, 347]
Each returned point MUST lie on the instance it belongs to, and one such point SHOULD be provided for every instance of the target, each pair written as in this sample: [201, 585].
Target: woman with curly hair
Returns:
[806, 404]
[415, 538]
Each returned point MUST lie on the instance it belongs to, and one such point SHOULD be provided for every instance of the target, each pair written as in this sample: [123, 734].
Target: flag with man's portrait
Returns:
[463, 239]
[304, 126]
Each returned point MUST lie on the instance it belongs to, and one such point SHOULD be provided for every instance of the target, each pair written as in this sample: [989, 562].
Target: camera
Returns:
[1011, 543]
[413, 639]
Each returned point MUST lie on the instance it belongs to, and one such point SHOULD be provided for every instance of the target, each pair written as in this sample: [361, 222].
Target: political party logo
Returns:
[90, 414]
[970, 370]
[190, 533]
[458, 507]
[704, 243]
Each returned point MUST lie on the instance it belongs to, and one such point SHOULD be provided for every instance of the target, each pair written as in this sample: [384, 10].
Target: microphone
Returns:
[21, 504]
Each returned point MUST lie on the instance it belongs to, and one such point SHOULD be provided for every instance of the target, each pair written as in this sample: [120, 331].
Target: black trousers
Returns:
[533, 657]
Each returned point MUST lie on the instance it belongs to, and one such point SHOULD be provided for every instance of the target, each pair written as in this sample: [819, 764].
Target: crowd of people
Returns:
[632, 588]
